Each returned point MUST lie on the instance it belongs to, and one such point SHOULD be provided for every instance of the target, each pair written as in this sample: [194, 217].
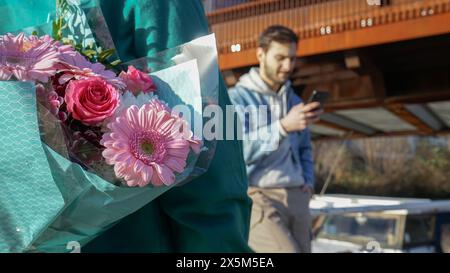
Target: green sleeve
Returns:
[18, 14]
[211, 213]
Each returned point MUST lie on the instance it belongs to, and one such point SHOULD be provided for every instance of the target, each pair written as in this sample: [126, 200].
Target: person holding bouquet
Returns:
[189, 218]
[218, 206]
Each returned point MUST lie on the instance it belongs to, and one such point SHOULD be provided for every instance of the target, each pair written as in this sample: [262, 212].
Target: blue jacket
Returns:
[251, 91]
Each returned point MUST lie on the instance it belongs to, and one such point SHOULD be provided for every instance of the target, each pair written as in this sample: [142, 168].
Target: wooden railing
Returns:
[241, 24]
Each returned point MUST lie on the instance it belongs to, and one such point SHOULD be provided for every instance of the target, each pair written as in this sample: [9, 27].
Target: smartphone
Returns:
[319, 96]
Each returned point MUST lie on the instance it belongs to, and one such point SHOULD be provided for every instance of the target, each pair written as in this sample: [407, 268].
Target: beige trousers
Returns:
[280, 220]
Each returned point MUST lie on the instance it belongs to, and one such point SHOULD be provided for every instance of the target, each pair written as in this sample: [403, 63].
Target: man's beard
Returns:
[271, 74]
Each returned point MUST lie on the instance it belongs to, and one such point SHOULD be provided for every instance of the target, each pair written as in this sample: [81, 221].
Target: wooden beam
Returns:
[380, 34]
[243, 9]
[369, 67]
[337, 127]
[370, 36]
[352, 104]
[214, 15]
[316, 68]
[445, 133]
[238, 59]
[400, 111]
[351, 124]
[420, 98]
[425, 114]
[368, 103]
[328, 77]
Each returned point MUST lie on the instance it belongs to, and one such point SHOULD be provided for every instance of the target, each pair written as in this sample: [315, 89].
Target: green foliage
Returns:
[92, 52]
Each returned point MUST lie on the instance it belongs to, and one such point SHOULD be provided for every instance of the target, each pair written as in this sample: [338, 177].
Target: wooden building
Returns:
[385, 63]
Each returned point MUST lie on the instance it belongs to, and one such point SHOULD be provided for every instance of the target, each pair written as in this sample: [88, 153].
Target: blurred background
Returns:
[386, 66]
[385, 131]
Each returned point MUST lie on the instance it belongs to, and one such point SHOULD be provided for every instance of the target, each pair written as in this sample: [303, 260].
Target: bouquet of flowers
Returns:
[88, 141]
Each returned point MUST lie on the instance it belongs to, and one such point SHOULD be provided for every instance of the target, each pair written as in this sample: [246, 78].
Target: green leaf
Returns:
[105, 54]
[78, 47]
[89, 53]
[116, 62]
[55, 31]
[68, 41]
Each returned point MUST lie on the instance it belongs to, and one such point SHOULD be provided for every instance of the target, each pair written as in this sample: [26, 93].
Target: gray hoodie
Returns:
[278, 168]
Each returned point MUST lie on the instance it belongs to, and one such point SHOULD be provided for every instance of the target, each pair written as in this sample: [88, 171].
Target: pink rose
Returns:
[137, 80]
[91, 100]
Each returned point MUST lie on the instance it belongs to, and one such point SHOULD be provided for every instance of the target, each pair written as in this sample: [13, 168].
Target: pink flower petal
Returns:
[138, 166]
[5, 74]
[181, 153]
[122, 156]
[196, 144]
[169, 127]
[176, 164]
[147, 173]
[144, 121]
[109, 153]
[161, 118]
[177, 144]
[132, 116]
[135, 181]
[120, 125]
[120, 170]
[165, 174]
[156, 181]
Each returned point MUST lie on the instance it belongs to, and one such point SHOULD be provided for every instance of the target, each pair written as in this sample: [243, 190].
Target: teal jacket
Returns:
[210, 213]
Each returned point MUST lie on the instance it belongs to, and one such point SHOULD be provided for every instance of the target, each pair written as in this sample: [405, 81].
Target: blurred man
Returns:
[279, 160]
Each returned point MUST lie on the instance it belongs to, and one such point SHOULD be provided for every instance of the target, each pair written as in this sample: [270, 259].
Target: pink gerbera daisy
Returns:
[28, 58]
[78, 67]
[194, 142]
[146, 146]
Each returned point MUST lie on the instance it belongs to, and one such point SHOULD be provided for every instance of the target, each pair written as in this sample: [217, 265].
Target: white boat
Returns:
[351, 223]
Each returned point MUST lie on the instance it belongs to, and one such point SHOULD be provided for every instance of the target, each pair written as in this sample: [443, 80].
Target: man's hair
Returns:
[278, 34]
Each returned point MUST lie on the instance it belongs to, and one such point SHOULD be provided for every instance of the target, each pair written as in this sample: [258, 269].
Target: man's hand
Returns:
[308, 189]
[301, 116]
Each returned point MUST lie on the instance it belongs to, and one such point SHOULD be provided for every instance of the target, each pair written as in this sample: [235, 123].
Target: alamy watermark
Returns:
[254, 124]
[74, 247]
[373, 247]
